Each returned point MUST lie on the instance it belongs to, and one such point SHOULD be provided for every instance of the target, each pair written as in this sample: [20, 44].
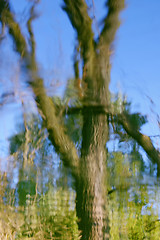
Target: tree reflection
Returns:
[74, 132]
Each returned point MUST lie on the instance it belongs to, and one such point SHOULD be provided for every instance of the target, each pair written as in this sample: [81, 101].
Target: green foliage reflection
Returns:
[51, 216]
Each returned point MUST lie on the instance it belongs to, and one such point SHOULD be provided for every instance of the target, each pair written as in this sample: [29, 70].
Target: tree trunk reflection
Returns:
[91, 202]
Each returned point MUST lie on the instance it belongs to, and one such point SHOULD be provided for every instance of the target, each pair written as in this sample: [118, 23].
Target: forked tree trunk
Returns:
[91, 202]
[90, 170]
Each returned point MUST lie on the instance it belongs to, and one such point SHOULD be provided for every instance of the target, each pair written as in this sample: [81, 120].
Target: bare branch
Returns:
[14, 30]
[80, 20]
[57, 134]
[32, 61]
[95, 20]
[61, 142]
[143, 140]
[29, 25]
[124, 119]
[82, 23]
[111, 24]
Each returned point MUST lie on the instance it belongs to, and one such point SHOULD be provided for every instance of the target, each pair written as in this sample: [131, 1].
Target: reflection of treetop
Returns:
[82, 149]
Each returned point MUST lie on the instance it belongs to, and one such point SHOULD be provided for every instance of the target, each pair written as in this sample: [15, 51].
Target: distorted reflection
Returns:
[37, 193]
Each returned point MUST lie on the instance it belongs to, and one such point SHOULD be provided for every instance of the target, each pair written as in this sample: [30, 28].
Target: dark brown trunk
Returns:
[91, 204]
